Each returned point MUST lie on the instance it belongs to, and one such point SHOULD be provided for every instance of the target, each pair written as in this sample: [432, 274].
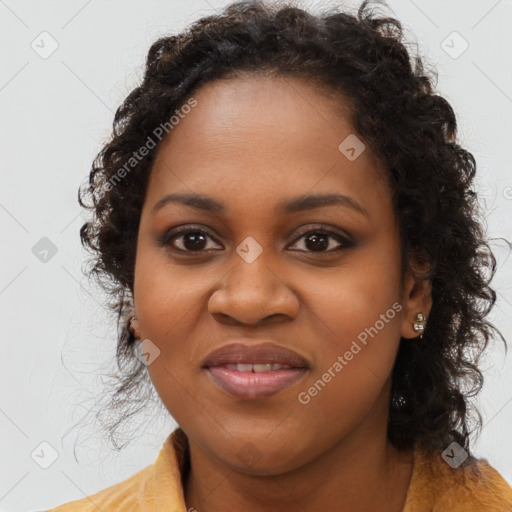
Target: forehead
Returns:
[265, 138]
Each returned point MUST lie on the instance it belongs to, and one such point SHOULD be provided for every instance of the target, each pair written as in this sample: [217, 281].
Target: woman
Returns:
[297, 259]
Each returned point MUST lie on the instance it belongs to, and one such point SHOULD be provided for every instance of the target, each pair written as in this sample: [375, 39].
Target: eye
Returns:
[322, 241]
[187, 239]
[191, 239]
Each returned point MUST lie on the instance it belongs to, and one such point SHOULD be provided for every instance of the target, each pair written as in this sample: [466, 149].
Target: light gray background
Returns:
[56, 112]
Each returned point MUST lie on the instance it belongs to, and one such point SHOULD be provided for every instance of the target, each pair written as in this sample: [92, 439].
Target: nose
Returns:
[252, 292]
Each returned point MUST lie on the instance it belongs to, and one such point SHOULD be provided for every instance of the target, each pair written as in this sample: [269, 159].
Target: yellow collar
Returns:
[435, 486]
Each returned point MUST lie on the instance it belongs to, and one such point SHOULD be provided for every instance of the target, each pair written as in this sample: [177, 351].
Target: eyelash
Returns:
[166, 239]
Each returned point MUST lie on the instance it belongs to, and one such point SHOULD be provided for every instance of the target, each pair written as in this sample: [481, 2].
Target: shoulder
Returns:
[121, 496]
[152, 489]
[440, 484]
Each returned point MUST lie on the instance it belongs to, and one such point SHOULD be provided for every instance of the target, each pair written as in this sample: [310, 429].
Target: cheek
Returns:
[170, 304]
[179, 391]
[357, 311]
[359, 301]
[166, 295]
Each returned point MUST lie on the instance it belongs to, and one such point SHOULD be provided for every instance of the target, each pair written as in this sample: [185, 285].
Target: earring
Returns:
[419, 324]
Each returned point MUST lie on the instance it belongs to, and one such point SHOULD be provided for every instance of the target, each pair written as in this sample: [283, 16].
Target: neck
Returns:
[363, 472]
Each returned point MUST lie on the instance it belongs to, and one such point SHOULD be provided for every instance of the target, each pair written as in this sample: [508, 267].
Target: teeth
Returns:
[244, 367]
[277, 366]
[261, 367]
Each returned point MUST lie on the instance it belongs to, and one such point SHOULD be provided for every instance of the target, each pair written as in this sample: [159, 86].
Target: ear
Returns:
[416, 298]
[134, 326]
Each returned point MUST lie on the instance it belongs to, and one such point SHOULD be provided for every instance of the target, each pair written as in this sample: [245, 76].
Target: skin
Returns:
[251, 143]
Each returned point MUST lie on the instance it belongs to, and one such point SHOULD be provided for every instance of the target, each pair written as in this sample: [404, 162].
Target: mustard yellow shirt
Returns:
[435, 486]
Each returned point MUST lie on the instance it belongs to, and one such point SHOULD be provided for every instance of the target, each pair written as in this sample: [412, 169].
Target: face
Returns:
[321, 279]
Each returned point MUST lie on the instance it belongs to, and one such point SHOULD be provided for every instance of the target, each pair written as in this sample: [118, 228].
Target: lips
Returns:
[263, 353]
[253, 372]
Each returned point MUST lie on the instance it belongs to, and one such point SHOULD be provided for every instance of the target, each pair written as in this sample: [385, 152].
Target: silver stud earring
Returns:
[419, 324]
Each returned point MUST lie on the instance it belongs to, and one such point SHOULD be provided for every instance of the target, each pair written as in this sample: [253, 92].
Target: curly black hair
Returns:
[364, 58]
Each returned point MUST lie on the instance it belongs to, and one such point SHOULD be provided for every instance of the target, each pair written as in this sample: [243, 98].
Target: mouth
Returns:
[254, 372]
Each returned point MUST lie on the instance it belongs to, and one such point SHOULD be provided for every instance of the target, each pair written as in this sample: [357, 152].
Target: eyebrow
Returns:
[293, 205]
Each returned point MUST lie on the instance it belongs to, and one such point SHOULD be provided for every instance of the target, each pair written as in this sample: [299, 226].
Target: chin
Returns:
[259, 457]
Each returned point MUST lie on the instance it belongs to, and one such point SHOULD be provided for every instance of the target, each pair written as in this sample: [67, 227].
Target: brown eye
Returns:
[324, 241]
[187, 239]
[193, 240]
